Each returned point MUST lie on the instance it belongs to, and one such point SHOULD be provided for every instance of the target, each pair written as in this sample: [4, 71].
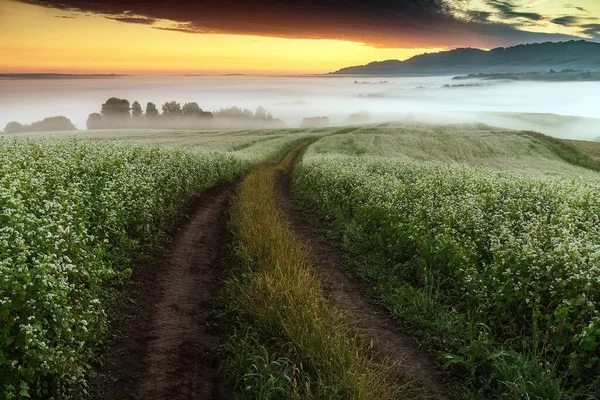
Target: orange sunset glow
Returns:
[93, 44]
[262, 37]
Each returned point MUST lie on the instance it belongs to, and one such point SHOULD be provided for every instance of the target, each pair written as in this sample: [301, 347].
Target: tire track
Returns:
[166, 351]
[347, 294]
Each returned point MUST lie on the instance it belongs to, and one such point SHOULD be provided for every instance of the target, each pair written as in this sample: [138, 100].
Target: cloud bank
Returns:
[381, 23]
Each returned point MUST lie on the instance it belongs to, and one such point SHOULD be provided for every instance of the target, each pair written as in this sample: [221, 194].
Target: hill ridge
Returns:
[574, 54]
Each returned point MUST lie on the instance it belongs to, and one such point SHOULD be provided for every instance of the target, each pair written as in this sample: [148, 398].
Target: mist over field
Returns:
[508, 104]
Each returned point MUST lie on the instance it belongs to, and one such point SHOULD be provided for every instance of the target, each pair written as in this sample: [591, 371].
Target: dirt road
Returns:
[347, 294]
[166, 349]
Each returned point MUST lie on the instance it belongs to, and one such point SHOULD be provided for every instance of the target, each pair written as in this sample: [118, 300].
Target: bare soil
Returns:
[347, 293]
[165, 348]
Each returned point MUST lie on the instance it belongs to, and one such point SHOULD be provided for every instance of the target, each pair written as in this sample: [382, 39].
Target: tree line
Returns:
[51, 124]
[118, 113]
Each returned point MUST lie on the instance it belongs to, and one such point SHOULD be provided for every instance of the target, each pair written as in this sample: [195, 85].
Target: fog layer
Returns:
[516, 105]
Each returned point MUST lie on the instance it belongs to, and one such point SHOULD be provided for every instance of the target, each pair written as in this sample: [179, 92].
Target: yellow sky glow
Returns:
[586, 10]
[37, 39]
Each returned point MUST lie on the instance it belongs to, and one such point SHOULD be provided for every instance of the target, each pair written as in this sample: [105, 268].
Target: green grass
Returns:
[289, 341]
[587, 148]
[74, 213]
[472, 144]
[482, 243]
[580, 153]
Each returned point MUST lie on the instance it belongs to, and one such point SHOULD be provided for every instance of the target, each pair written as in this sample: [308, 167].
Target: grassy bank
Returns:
[577, 152]
[498, 272]
[288, 341]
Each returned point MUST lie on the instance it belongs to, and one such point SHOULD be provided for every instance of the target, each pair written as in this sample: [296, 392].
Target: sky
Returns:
[268, 36]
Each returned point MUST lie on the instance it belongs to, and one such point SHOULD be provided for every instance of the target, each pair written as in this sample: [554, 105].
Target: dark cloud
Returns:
[568, 20]
[591, 30]
[185, 28]
[479, 16]
[574, 7]
[507, 11]
[382, 23]
[135, 20]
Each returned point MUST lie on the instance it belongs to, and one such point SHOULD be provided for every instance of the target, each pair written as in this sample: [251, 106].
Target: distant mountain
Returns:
[579, 55]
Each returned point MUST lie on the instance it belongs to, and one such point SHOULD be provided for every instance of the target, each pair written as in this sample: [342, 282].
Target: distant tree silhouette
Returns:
[171, 109]
[50, 124]
[191, 110]
[314, 122]
[94, 121]
[237, 117]
[136, 111]
[234, 113]
[15, 127]
[361, 116]
[261, 113]
[151, 111]
[116, 111]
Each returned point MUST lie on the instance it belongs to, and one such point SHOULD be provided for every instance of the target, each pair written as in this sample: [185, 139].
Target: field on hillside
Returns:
[484, 244]
[253, 146]
[74, 214]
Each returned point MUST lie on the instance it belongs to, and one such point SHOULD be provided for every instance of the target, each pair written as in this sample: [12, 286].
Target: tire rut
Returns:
[347, 294]
[167, 350]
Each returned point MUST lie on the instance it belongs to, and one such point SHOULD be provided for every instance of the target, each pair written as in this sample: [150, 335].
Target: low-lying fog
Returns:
[507, 104]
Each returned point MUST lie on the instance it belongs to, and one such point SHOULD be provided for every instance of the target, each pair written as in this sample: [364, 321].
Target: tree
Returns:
[94, 121]
[136, 111]
[171, 109]
[50, 124]
[15, 127]
[191, 110]
[361, 116]
[314, 122]
[234, 113]
[116, 110]
[151, 111]
[262, 114]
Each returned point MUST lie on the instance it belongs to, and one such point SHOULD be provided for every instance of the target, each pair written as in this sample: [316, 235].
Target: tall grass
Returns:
[291, 342]
[567, 150]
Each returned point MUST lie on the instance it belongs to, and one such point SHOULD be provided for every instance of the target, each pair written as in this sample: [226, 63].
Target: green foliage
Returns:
[116, 110]
[291, 342]
[566, 150]
[73, 215]
[500, 271]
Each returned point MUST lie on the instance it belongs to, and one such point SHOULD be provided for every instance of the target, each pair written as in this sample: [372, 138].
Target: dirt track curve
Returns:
[347, 294]
[167, 349]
